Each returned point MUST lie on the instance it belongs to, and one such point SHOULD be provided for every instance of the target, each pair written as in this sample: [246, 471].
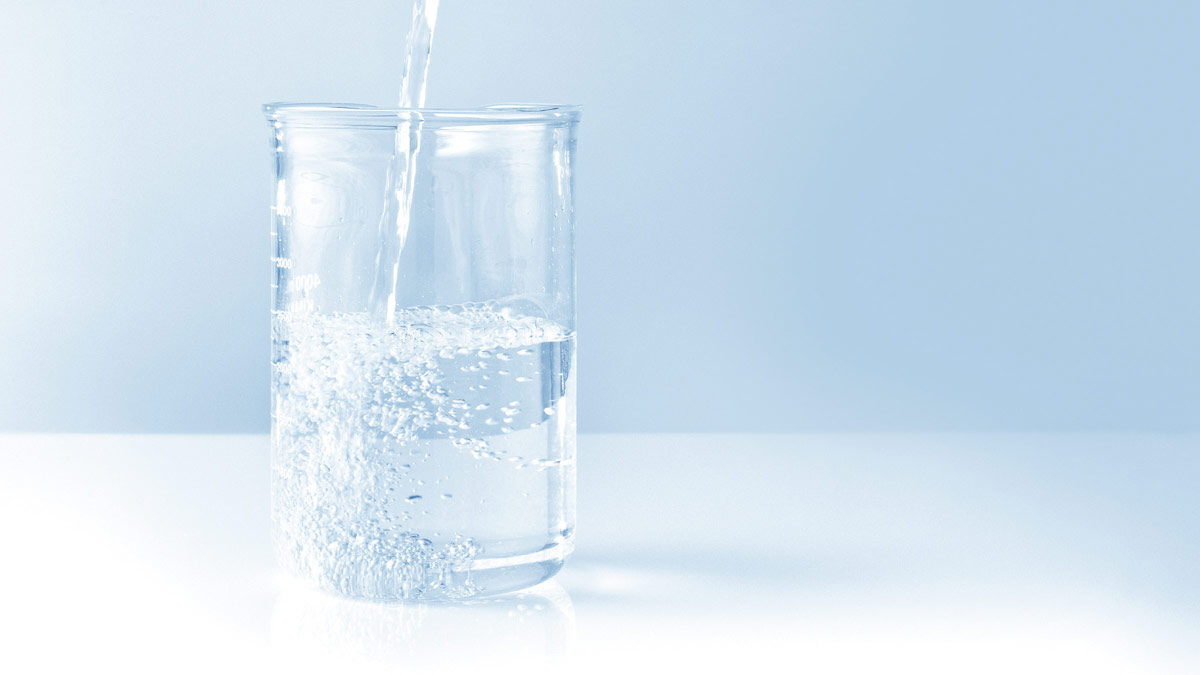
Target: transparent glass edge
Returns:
[352, 114]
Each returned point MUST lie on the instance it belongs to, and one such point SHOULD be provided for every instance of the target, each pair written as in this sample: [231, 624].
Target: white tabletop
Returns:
[793, 553]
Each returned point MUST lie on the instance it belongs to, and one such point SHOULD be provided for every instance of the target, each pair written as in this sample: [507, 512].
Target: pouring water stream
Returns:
[398, 210]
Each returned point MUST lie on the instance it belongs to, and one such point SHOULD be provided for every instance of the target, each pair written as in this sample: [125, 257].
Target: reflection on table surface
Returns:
[536, 625]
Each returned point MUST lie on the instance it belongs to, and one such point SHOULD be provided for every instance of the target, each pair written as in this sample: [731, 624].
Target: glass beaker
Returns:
[423, 348]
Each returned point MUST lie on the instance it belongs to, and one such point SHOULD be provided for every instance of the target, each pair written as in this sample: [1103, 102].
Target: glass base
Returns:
[481, 577]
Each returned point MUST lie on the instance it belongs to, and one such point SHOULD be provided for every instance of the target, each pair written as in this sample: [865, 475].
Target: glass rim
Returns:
[358, 114]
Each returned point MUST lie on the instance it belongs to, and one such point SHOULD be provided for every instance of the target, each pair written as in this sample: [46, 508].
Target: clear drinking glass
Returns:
[423, 347]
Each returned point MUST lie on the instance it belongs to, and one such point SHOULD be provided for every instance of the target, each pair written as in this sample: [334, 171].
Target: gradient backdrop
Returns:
[792, 215]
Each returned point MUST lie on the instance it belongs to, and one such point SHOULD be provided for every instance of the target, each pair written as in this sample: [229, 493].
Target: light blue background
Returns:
[792, 215]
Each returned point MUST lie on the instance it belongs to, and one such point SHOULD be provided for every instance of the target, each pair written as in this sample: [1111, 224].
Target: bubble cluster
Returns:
[364, 415]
